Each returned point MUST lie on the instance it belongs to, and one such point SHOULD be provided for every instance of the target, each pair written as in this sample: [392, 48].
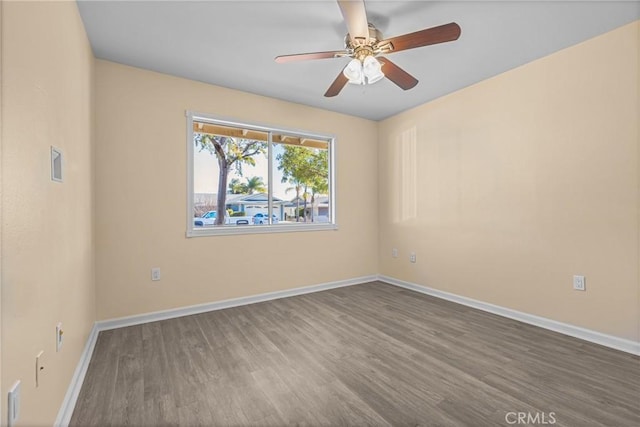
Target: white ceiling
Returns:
[233, 43]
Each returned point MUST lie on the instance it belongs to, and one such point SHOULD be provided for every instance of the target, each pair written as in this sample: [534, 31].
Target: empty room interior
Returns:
[271, 213]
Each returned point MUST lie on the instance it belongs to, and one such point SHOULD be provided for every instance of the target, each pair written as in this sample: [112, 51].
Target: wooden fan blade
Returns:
[337, 85]
[355, 16]
[435, 35]
[307, 56]
[397, 75]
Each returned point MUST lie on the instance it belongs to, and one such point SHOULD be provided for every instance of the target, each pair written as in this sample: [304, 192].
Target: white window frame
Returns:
[266, 228]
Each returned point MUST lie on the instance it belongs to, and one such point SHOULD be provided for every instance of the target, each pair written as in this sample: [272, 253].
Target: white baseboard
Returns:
[70, 398]
[138, 319]
[611, 341]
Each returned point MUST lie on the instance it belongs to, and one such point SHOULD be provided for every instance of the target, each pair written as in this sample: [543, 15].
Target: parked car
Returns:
[261, 218]
[209, 218]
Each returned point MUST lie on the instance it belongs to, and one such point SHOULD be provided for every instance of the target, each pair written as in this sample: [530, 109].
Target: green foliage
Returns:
[293, 162]
[236, 187]
[253, 185]
[307, 170]
[239, 213]
[233, 152]
[319, 171]
[302, 166]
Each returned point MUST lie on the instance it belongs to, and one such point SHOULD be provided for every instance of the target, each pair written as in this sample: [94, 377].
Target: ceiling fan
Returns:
[364, 43]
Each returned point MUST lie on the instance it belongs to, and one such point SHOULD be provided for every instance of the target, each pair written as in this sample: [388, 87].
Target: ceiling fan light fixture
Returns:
[372, 69]
[375, 78]
[353, 71]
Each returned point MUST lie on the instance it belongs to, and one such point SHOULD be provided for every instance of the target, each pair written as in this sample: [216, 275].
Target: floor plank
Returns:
[370, 354]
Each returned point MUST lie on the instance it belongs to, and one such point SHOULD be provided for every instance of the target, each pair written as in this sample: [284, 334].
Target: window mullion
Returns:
[269, 177]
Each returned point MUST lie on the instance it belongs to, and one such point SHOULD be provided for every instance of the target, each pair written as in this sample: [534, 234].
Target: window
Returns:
[245, 178]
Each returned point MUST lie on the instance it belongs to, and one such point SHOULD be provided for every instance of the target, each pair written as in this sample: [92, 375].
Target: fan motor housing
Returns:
[374, 37]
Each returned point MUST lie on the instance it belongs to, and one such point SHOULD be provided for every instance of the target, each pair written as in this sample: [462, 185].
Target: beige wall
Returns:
[141, 199]
[521, 181]
[47, 238]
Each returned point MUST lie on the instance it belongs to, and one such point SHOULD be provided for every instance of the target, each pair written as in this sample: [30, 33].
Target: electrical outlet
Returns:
[14, 404]
[155, 274]
[394, 253]
[412, 257]
[579, 283]
[59, 333]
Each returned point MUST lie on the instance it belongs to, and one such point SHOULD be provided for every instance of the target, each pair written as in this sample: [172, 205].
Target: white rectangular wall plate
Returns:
[56, 164]
[59, 338]
[579, 283]
[155, 274]
[39, 367]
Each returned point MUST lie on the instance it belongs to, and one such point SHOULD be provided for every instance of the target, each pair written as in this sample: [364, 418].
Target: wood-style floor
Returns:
[370, 354]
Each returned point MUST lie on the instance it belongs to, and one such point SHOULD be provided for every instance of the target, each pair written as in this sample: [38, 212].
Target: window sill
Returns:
[258, 229]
